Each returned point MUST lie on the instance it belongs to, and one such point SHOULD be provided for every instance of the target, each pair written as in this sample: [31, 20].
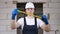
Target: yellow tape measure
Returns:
[29, 14]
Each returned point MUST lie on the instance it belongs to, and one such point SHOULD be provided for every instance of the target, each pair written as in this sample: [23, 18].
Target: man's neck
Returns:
[29, 16]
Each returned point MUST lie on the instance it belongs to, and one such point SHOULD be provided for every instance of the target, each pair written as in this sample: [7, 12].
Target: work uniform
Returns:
[30, 25]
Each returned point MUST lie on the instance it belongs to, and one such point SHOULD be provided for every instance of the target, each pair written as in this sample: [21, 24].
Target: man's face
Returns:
[30, 10]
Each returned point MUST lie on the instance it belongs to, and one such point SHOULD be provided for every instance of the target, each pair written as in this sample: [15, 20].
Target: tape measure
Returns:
[29, 14]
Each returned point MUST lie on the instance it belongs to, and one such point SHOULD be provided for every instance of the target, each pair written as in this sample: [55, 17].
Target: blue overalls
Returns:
[30, 29]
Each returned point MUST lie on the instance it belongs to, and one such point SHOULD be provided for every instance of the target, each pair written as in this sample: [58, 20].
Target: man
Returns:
[29, 24]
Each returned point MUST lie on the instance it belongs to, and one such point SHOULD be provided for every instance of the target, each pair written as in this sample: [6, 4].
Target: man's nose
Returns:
[30, 9]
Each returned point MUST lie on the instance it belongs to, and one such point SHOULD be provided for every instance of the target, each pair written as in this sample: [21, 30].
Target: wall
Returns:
[51, 6]
[6, 8]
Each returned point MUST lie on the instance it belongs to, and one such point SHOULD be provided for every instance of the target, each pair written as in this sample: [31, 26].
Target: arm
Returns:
[46, 27]
[14, 25]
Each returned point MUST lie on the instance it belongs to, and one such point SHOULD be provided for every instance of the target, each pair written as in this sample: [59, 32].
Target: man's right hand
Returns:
[14, 13]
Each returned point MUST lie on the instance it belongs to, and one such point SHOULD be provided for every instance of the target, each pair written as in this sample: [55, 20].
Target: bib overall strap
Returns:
[35, 21]
[24, 21]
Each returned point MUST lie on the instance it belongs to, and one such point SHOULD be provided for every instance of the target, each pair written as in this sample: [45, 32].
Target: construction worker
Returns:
[29, 24]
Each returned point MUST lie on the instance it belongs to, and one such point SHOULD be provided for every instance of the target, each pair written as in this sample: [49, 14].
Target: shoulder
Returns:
[21, 19]
[38, 19]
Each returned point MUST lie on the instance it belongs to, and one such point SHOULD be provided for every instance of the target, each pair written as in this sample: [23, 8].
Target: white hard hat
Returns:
[29, 5]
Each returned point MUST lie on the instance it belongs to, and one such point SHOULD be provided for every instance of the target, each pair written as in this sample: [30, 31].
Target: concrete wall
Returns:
[51, 6]
[6, 8]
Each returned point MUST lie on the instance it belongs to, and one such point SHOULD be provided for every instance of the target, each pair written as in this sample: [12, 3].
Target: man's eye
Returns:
[31, 8]
[28, 8]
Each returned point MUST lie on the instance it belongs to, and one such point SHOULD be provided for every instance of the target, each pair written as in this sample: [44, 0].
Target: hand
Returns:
[14, 13]
[44, 18]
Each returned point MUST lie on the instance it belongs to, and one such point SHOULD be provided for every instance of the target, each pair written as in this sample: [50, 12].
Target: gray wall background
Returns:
[50, 6]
